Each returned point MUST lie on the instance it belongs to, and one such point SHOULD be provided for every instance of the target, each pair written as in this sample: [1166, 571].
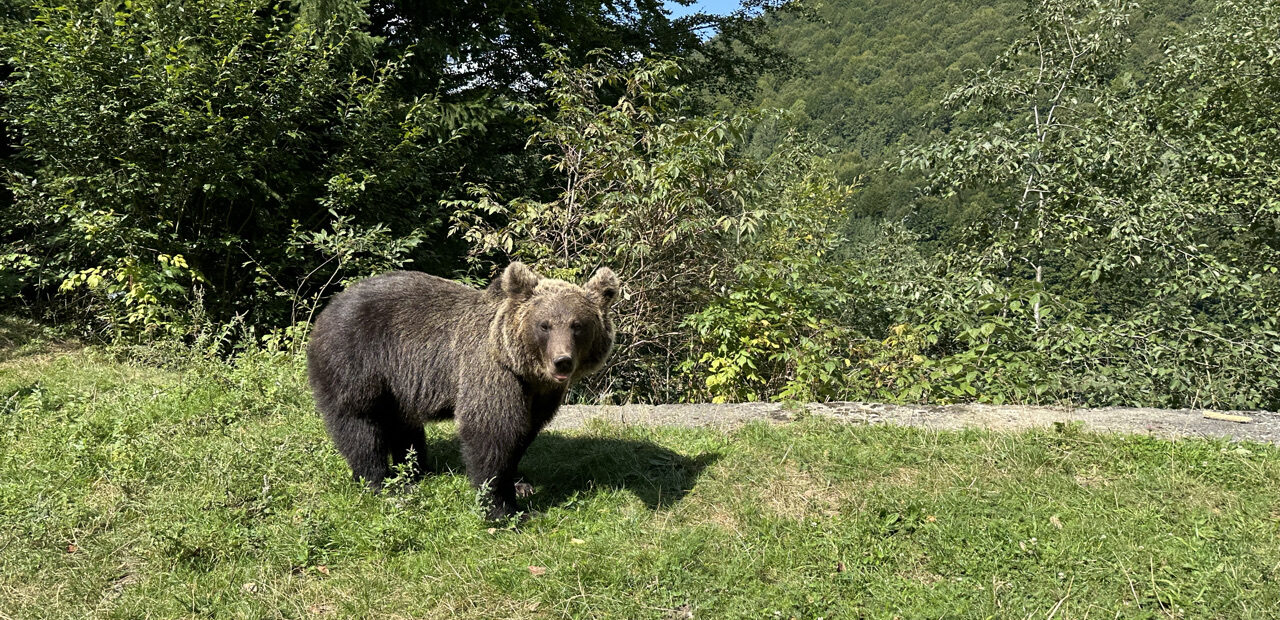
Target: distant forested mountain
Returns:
[874, 74]
[875, 71]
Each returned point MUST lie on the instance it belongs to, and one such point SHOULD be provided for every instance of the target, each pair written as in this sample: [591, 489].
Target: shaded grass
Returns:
[210, 489]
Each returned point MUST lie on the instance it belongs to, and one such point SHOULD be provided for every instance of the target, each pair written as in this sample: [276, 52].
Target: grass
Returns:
[196, 488]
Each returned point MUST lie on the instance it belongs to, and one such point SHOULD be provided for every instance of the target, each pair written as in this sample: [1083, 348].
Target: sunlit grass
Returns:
[202, 489]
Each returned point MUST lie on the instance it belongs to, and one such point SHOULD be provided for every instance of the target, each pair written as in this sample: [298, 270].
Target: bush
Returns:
[671, 202]
[1134, 260]
[240, 147]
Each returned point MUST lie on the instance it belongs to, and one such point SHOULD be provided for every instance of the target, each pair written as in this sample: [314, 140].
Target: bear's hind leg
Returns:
[363, 443]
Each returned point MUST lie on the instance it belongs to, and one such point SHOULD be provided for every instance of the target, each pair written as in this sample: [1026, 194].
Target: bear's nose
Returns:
[564, 364]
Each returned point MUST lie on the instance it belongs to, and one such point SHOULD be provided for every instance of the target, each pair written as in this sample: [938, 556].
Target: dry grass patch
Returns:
[919, 573]
[714, 513]
[787, 492]
[1213, 499]
[797, 494]
[900, 477]
[1092, 478]
[15, 597]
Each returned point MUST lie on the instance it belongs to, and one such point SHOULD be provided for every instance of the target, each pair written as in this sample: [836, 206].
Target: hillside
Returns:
[874, 74]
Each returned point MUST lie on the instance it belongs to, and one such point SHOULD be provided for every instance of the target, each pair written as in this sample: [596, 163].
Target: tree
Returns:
[1141, 214]
[237, 148]
[670, 202]
[466, 48]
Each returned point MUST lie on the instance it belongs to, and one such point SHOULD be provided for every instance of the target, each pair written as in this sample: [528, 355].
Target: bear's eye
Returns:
[545, 326]
[575, 326]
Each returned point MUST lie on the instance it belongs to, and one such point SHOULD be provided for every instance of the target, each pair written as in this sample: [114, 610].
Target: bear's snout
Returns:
[559, 346]
[564, 365]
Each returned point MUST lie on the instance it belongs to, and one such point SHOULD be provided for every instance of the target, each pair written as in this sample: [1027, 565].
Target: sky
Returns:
[718, 7]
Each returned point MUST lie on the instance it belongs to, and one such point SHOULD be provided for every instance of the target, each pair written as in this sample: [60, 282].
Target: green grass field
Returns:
[195, 488]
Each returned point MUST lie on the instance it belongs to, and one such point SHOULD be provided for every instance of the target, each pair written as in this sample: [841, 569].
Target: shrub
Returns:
[241, 147]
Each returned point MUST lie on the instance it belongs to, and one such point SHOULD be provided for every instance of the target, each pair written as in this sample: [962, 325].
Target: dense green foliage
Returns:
[672, 203]
[467, 48]
[1124, 249]
[240, 150]
[874, 75]
[248, 156]
[1138, 220]
[960, 201]
[873, 71]
[208, 489]
[872, 83]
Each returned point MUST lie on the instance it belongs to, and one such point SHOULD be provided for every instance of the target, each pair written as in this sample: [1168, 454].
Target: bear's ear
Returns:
[603, 287]
[518, 280]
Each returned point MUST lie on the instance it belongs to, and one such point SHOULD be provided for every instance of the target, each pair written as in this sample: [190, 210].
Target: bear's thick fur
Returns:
[395, 351]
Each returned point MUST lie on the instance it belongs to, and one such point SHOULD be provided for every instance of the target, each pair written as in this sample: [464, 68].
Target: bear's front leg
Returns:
[491, 450]
[494, 428]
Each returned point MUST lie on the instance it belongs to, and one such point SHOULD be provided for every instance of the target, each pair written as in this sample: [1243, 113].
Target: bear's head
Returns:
[550, 331]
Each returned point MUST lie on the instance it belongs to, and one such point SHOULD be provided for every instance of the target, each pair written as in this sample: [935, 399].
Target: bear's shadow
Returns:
[561, 467]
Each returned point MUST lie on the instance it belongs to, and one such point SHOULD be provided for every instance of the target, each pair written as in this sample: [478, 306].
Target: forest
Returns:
[1046, 202]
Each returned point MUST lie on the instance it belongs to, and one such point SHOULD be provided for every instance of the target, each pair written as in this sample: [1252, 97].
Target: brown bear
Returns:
[397, 350]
